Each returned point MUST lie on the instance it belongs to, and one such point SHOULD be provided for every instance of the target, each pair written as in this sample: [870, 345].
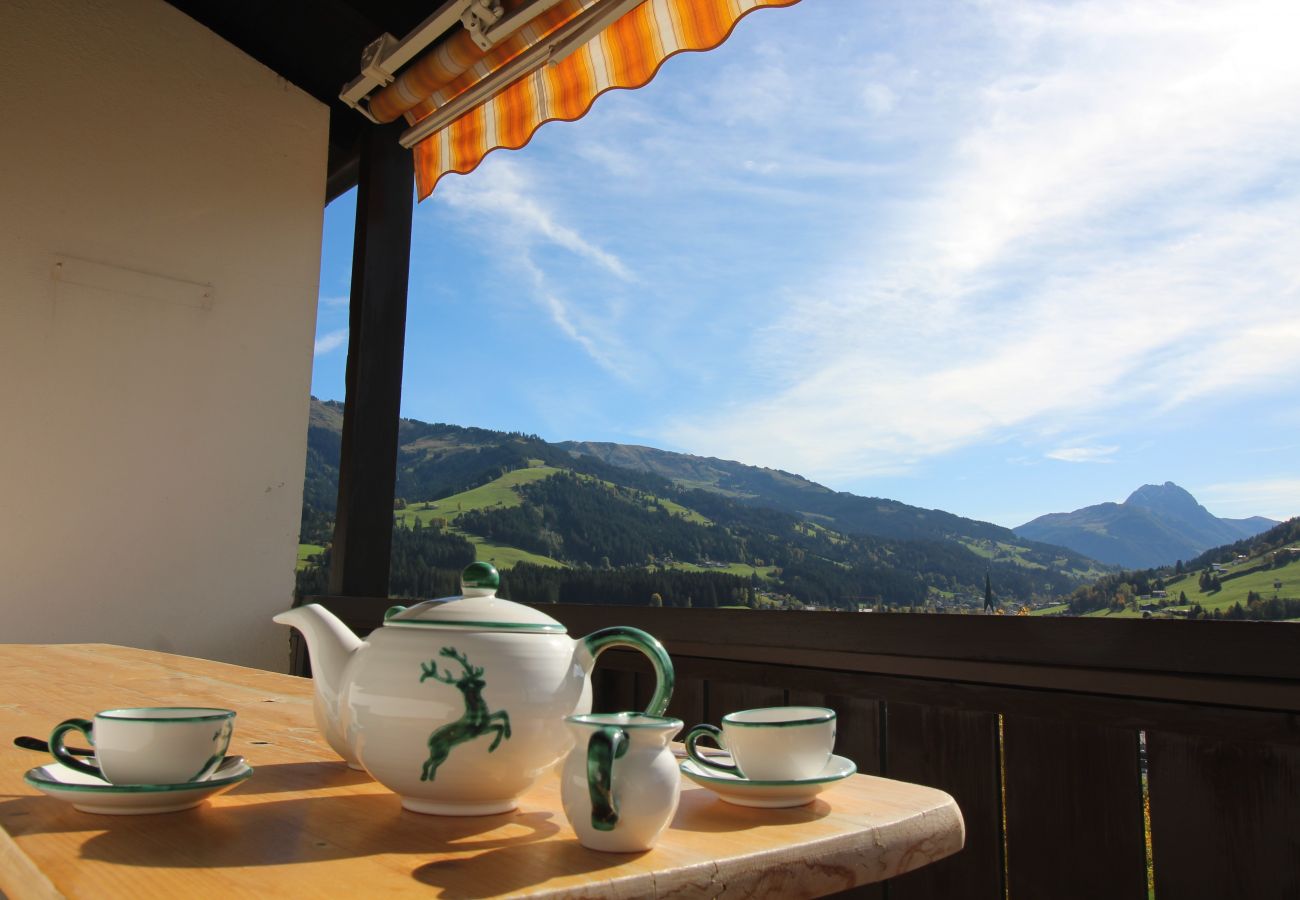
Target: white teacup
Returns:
[779, 743]
[150, 745]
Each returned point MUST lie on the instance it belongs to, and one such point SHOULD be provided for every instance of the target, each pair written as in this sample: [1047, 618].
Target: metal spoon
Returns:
[31, 743]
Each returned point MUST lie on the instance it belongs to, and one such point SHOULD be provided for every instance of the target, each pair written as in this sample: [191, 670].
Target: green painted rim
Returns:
[206, 714]
[37, 778]
[699, 774]
[825, 715]
[644, 720]
[517, 627]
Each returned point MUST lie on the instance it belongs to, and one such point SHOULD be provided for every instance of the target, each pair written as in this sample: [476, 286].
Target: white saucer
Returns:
[94, 795]
[769, 794]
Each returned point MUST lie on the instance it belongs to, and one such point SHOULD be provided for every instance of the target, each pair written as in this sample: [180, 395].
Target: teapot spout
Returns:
[331, 645]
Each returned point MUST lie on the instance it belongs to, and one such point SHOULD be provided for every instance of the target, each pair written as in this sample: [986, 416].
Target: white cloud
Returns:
[879, 99]
[1083, 454]
[1275, 498]
[1115, 228]
[503, 198]
[334, 302]
[502, 205]
[331, 341]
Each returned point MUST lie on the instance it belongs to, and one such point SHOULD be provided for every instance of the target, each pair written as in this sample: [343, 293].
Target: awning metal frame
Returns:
[485, 20]
[487, 24]
[553, 49]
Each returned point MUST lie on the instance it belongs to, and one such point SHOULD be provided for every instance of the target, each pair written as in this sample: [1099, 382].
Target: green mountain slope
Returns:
[795, 494]
[532, 505]
[1254, 578]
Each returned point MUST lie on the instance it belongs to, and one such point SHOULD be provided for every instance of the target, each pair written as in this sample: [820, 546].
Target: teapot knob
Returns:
[479, 577]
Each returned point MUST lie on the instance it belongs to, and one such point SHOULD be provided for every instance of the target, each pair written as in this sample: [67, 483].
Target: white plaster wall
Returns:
[151, 439]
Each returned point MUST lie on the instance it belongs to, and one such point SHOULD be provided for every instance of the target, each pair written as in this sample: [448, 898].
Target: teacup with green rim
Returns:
[149, 745]
[777, 743]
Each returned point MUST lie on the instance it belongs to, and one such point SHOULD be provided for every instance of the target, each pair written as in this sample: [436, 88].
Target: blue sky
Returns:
[1001, 258]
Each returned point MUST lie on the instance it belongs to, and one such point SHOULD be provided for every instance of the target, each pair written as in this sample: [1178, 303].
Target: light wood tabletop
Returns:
[306, 825]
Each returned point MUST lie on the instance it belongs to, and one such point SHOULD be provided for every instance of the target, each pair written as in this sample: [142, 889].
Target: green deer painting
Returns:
[476, 719]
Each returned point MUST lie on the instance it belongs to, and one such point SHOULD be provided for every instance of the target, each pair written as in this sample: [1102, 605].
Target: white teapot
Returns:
[458, 704]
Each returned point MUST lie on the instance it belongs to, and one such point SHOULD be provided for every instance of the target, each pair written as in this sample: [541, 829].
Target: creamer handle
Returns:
[606, 745]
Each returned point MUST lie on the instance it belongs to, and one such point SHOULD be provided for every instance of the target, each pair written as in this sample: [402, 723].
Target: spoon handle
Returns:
[31, 743]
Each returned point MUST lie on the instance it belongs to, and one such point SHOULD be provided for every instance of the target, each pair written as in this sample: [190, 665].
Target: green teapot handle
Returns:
[606, 745]
[635, 639]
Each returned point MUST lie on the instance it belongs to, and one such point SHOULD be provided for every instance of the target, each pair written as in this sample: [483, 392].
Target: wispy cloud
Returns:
[1115, 210]
[1083, 454]
[502, 205]
[504, 200]
[330, 341]
[335, 302]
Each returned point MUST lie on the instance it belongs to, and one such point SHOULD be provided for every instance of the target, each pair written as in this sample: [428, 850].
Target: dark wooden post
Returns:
[381, 256]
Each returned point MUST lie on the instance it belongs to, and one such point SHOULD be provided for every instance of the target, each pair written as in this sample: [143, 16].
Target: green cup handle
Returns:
[714, 733]
[85, 726]
[606, 745]
[635, 639]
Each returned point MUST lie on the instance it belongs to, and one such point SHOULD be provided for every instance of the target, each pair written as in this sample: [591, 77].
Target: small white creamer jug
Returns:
[620, 783]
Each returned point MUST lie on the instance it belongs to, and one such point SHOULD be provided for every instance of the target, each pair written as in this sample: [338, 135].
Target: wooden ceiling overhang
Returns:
[315, 45]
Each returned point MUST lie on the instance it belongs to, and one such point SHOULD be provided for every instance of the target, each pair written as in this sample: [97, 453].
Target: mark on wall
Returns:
[131, 282]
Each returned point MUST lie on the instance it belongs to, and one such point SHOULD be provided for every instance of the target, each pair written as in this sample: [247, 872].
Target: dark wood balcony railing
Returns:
[1050, 733]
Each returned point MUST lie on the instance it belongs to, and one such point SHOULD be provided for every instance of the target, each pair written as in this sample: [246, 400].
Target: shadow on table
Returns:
[281, 831]
[701, 810]
[219, 834]
[304, 776]
[514, 868]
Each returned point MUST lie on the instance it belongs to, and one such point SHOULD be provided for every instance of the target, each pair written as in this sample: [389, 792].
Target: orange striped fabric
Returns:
[627, 54]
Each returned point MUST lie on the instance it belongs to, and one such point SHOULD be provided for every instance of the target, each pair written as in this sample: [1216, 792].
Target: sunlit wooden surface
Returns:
[306, 825]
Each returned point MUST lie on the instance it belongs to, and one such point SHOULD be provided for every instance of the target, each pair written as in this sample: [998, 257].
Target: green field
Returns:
[500, 493]
[766, 572]
[1234, 590]
[1056, 610]
[678, 510]
[305, 551]
[1014, 553]
[504, 557]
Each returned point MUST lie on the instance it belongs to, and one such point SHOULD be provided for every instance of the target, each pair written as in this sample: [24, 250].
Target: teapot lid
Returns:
[478, 608]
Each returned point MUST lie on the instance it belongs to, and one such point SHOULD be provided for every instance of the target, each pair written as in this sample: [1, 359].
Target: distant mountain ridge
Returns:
[601, 504]
[1156, 526]
[775, 489]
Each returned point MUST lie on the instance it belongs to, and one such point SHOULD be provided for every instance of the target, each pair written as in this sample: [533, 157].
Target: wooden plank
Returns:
[305, 824]
[857, 726]
[1073, 811]
[687, 702]
[956, 752]
[381, 255]
[1128, 702]
[857, 738]
[722, 697]
[613, 690]
[1117, 712]
[1238, 649]
[1225, 818]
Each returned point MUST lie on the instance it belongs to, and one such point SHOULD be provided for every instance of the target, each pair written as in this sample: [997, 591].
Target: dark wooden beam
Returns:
[381, 256]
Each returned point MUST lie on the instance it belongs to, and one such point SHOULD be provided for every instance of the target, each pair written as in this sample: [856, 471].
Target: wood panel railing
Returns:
[1050, 734]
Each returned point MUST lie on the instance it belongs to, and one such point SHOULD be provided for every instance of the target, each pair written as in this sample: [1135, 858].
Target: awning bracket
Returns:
[485, 20]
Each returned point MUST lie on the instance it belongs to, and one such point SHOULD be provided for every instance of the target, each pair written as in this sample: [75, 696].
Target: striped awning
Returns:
[481, 100]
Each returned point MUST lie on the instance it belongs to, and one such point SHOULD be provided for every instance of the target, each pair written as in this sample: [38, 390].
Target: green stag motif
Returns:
[476, 720]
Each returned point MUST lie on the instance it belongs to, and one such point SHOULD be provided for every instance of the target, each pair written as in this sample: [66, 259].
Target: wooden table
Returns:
[306, 825]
